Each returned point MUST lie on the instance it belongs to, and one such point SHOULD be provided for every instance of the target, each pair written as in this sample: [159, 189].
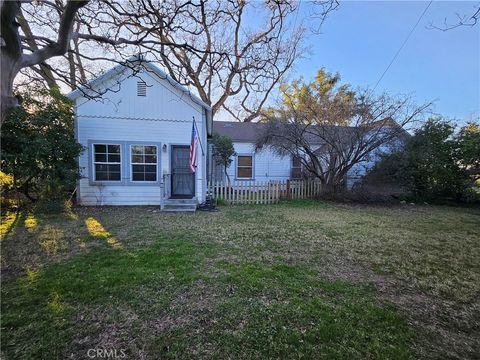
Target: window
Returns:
[107, 162]
[141, 88]
[296, 167]
[144, 162]
[244, 166]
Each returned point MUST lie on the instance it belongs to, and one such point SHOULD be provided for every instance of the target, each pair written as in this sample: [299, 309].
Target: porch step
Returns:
[180, 205]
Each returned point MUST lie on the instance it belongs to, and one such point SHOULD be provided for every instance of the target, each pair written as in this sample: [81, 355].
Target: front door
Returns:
[183, 180]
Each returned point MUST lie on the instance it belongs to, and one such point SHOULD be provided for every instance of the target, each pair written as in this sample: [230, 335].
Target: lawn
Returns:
[304, 279]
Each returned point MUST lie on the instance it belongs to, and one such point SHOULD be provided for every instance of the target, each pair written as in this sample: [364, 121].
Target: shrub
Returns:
[38, 145]
[433, 166]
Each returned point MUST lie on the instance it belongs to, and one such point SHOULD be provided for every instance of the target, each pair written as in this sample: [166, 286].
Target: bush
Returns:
[433, 165]
[38, 145]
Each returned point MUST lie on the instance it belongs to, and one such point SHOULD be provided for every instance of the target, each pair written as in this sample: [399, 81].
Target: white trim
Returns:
[252, 155]
[132, 163]
[94, 173]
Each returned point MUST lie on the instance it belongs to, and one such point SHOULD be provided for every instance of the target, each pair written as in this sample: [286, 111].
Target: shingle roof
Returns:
[249, 131]
[238, 131]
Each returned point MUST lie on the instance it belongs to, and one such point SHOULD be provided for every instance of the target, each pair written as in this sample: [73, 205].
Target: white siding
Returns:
[266, 164]
[120, 116]
[270, 166]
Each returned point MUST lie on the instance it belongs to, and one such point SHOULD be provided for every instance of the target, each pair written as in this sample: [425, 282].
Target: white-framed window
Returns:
[296, 167]
[144, 162]
[244, 166]
[107, 162]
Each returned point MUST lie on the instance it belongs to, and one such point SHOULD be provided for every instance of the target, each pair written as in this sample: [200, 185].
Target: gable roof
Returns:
[238, 131]
[138, 60]
[249, 131]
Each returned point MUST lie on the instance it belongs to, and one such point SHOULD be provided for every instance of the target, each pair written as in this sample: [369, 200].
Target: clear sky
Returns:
[361, 37]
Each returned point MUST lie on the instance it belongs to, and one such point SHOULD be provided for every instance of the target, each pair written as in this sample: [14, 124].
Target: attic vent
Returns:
[141, 88]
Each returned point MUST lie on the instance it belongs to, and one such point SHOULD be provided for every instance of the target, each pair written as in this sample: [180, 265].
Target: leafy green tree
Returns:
[435, 162]
[468, 144]
[431, 169]
[223, 151]
[38, 145]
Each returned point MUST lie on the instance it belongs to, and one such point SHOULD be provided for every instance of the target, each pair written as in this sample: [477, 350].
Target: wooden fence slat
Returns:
[263, 192]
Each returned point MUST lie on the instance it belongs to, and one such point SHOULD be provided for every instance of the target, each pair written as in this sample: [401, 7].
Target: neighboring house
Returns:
[264, 165]
[137, 137]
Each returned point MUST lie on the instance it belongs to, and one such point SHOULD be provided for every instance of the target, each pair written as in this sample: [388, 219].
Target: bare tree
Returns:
[461, 20]
[13, 56]
[332, 128]
[233, 64]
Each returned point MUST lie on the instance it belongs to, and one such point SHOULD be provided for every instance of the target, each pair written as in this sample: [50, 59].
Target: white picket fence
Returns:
[263, 192]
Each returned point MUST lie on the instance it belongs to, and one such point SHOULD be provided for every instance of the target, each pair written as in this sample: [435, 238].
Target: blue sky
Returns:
[361, 37]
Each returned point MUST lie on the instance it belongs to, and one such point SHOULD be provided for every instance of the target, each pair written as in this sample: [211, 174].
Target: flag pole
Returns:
[198, 136]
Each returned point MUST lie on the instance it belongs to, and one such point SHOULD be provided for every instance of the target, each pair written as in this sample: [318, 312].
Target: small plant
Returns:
[223, 152]
[221, 202]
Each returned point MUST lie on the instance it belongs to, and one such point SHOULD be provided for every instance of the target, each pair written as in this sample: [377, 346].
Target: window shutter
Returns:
[141, 88]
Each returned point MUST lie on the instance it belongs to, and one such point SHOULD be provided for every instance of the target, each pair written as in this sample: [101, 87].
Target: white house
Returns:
[137, 136]
[264, 165]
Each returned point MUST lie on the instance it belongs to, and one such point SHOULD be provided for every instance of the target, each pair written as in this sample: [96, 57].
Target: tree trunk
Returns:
[9, 69]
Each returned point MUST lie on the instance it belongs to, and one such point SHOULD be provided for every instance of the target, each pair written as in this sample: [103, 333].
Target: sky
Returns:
[360, 39]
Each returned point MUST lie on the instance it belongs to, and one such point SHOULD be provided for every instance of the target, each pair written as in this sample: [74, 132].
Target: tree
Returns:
[468, 148]
[210, 46]
[38, 145]
[437, 162]
[462, 20]
[332, 128]
[12, 55]
[223, 151]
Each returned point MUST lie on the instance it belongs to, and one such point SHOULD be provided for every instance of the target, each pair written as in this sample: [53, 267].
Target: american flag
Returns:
[193, 150]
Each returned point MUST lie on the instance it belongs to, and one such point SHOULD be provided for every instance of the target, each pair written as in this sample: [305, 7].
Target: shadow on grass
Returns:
[40, 311]
[283, 311]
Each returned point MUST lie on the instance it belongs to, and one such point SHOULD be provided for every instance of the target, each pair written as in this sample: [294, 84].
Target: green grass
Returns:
[302, 279]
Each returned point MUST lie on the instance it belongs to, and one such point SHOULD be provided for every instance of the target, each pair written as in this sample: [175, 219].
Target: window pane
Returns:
[101, 176]
[244, 172]
[101, 167]
[114, 168]
[114, 149]
[137, 176]
[296, 162]
[151, 177]
[296, 173]
[114, 176]
[138, 168]
[137, 149]
[100, 148]
[137, 159]
[100, 157]
[150, 150]
[150, 168]
[152, 159]
[114, 158]
[244, 161]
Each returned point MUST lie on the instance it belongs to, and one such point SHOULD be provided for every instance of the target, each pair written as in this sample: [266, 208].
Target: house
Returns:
[265, 165]
[137, 137]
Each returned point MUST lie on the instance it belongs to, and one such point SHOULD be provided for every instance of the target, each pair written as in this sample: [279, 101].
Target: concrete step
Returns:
[176, 209]
[192, 201]
[180, 205]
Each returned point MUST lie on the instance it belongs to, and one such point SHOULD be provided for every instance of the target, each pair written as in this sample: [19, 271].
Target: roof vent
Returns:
[141, 88]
